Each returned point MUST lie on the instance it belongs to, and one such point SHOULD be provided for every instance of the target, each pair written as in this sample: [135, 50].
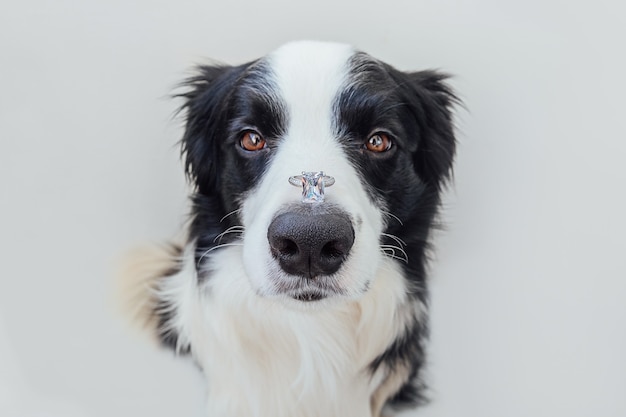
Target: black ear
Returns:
[205, 106]
[431, 101]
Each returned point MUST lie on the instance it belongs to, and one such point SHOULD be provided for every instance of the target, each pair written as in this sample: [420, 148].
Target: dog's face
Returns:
[384, 136]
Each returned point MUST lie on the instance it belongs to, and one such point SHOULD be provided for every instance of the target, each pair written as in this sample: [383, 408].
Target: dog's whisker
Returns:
[218, 240]
[395, 257]
[233, 229]
[230, 214]
[390, 256]
[223, 245]
[393, 216]
[396, 238]
[393, 249]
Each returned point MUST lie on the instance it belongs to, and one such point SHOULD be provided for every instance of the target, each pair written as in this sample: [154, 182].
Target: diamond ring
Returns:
[313, 184]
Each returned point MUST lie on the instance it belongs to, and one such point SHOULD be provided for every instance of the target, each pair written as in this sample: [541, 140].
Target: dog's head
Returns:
[384, 136]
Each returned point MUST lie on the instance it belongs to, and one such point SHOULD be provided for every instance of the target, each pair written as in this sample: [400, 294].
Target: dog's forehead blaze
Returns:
[309, 77]
[315, 80]
[306, 67]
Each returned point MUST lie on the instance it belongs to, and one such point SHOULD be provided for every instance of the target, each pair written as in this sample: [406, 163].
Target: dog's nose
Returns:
[309, 244]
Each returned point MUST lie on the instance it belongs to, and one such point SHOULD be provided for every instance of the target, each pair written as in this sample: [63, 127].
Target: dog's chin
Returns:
[305, 295]
[308, 301]
[301, 293]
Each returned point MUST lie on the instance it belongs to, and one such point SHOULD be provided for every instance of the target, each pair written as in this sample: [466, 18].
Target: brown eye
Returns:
[252, 141]
[378, 142]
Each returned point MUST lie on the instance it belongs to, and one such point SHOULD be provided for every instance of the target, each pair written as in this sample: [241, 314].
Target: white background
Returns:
[529, 288]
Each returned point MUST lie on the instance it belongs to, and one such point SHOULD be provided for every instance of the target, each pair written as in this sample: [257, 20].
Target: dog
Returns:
[300, 287]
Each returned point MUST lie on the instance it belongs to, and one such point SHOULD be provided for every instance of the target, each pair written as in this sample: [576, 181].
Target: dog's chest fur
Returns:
[302, 363]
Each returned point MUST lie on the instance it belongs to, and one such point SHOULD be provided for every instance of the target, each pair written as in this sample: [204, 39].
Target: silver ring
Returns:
[313, 184]
[297, 180]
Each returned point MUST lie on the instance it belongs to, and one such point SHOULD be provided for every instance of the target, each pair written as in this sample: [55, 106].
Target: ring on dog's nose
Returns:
[313, 184]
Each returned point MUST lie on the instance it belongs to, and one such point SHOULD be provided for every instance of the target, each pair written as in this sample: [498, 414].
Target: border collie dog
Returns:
[300, 288]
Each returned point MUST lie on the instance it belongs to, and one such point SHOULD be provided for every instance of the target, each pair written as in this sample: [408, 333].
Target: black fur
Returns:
[220, 103]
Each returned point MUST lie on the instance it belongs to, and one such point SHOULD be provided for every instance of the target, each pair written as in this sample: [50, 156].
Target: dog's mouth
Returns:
[306, 291]
[309, 296]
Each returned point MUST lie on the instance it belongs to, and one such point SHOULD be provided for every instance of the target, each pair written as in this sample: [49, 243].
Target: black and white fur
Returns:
[277, 344]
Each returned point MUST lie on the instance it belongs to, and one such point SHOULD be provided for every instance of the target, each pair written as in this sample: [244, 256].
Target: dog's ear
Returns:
[431, 102]
[205, 105]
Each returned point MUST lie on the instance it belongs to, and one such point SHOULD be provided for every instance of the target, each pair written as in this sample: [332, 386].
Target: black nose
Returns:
[310, 244]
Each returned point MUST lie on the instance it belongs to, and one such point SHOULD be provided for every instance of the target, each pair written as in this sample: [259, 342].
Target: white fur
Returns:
[264, 360]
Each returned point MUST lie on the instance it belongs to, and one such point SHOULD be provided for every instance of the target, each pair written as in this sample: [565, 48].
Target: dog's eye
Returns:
[252, 141]
[378, 142]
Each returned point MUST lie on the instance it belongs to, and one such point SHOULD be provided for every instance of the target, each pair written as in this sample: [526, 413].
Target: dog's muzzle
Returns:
[311, 241]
